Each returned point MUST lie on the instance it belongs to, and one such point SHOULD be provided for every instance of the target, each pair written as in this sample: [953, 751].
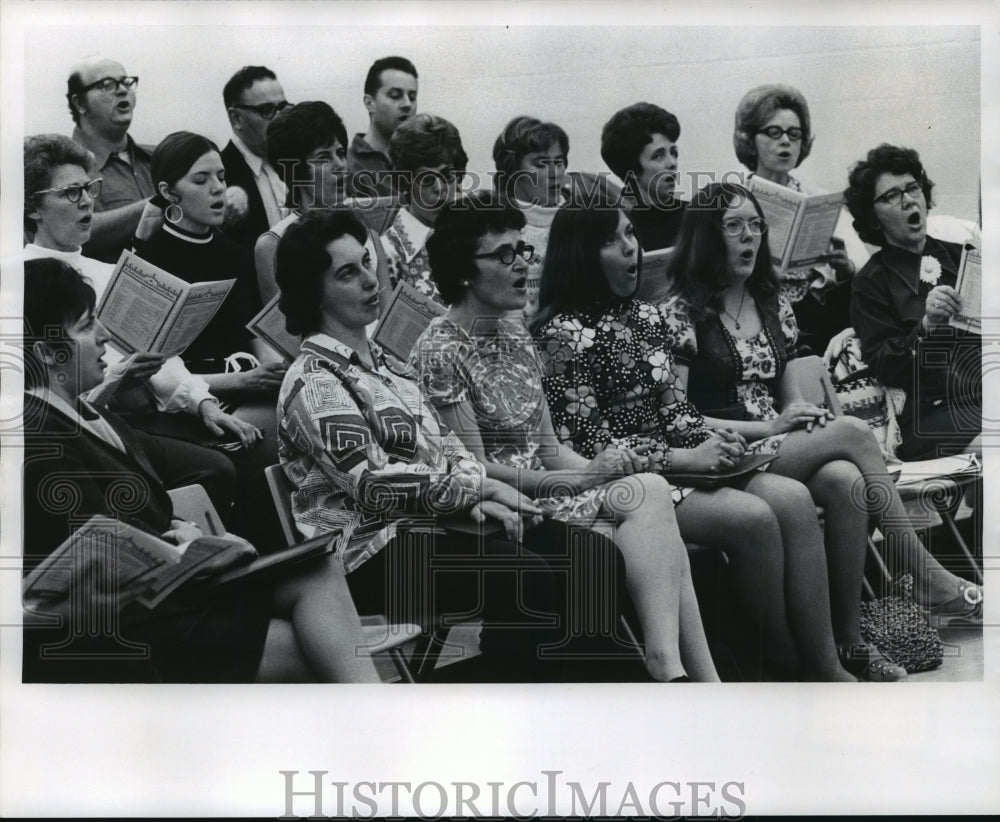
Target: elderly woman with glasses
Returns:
[772, 135]
[903, 301]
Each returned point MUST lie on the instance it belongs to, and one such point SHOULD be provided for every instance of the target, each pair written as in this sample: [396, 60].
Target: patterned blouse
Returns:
[405, 244]
[754, 356]
[500, 377]
[609, 381]
[363, 451]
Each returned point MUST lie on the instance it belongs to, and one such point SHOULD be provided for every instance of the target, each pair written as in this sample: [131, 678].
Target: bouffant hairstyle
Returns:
[699, 265]
[630, 130]
[43, 153]
[56, 295]
[572, 276]
[452, 247]
[302, 260]
[425, 141]
[296, 132]
[860, 191]
[756, 108]
[520, 137]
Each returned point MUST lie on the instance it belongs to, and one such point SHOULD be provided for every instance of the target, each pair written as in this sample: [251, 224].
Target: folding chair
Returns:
[938, 485]
[383, 635]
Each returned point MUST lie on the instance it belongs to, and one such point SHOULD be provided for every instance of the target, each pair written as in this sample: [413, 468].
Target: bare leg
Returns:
[325, 626]
[806, 586]
[845, 537]
[658, 578]
[848, 438]
[282, 660]
[746, 529]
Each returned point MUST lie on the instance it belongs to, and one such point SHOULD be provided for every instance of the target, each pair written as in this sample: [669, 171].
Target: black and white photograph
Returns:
[395, 395]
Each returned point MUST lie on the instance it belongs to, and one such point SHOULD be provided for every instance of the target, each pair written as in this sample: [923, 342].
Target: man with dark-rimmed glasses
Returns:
[101, 99]
[253, 97]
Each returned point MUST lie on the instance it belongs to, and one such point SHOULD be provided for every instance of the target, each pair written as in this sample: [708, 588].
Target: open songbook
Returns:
[145, 308]
[969, 286]
[408, 314]
[799, 226]
[269, 326]
[107, 560]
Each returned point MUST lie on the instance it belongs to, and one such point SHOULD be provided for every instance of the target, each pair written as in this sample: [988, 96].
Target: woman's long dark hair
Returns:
[572, 279]
[699, 265]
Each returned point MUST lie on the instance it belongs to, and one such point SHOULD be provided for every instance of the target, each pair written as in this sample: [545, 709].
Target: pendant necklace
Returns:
[739, 313]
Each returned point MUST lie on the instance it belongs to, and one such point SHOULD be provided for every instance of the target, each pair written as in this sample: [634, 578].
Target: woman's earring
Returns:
[465, 283]
[173, 213]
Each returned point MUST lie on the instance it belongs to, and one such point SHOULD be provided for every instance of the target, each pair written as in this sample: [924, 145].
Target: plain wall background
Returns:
[917, 87]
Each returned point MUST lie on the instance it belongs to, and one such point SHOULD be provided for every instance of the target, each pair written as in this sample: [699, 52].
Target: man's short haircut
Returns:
[43, 153]
[74, 88]
[232, 92]
[296, 132]
[373, 82]
[520, 137]
[452, 246]
[302, 260]
[56, 295]
[630, 130]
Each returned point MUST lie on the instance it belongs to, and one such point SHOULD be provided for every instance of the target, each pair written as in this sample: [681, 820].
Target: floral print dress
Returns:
[754, 357]
[500, 376]
[609, 381]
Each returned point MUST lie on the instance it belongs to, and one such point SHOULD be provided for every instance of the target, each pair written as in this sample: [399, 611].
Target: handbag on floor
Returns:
[898, 627]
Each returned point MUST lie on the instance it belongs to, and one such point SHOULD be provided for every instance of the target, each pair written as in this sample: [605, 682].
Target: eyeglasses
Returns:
[111, 84]
[74, 192]
[895, 195]
[775, 132]
[734, 228]
[265, 110]
[506, 254]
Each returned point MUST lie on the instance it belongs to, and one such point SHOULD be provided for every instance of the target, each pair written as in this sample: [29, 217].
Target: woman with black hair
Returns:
[478, 366]
[368, 457]
[903, 300]
[610, 383]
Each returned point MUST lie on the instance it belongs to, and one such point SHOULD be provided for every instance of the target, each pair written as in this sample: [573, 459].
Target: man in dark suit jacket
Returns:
[252, 97]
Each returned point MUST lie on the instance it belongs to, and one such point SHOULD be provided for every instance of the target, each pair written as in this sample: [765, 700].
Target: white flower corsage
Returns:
[930, 270]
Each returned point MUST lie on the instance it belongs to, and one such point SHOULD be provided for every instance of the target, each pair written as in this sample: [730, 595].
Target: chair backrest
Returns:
[191, 502]
[814, 383]
[281, 493]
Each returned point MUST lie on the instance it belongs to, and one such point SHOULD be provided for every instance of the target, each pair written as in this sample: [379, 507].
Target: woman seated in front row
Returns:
[478, 366]
[610, 381]
[367, 456]
[85, 462]
[903, 302]
[732, 336]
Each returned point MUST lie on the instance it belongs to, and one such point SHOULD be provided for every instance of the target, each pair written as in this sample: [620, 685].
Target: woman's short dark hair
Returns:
[630, 130]
[698, 268]
[302, 260]
[425, 141]
[860, 191]
[572, 277]
[175, 155]
[520, 137]
[56, 295]
[452, 246]
[756, 108]
[294, 134]
[43, 153]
